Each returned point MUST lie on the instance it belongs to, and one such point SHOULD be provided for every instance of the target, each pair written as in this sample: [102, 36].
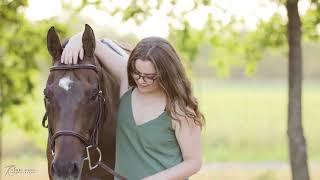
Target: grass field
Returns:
[246, 122]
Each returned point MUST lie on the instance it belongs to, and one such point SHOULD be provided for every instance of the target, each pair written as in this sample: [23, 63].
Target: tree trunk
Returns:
[297, 144]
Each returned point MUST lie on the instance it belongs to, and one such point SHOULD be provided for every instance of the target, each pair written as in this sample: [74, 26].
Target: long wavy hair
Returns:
[172, 77]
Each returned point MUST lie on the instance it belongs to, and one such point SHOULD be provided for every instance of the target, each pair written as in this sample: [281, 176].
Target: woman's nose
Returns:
[140, 80]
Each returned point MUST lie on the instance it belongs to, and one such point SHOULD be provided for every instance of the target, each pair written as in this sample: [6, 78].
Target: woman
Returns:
[159, 123]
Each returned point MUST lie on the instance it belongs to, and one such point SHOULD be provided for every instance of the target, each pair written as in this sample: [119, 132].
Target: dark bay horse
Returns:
[81, 103]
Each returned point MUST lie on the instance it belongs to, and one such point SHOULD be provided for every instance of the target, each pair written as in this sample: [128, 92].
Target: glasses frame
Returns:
[143, 76]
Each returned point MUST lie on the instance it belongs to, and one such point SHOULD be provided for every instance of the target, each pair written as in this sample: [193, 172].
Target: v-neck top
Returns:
[143, 150]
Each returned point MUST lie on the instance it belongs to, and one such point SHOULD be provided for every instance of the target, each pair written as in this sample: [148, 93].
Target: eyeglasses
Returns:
[149, 79]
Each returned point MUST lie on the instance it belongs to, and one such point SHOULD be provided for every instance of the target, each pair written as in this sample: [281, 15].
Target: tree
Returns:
[272, 36]
[297, 144]
[22, 48]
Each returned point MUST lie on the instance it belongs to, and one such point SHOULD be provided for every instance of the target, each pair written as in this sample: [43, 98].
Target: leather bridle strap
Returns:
[74, 66]
[95, 134]
[100, 163]
[67, 133]
[108, 169]
[44, 119]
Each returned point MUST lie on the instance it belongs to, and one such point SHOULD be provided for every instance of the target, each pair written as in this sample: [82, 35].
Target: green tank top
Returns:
[144, 150]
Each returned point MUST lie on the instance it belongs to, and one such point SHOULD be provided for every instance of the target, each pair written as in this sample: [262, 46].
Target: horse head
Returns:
[75, 104]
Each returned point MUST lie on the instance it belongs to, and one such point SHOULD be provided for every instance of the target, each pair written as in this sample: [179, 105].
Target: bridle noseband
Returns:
[93, 141]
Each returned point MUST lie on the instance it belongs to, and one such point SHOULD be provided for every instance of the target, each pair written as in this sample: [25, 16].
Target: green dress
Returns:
[144, 150]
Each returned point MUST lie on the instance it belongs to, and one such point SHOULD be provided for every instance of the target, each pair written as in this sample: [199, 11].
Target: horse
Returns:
[81, 104]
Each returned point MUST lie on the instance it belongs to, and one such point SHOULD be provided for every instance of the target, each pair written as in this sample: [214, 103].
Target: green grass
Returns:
[242, 173]
[247, 121]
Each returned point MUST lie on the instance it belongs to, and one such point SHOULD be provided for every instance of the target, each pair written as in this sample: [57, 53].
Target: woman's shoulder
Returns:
[180, 116]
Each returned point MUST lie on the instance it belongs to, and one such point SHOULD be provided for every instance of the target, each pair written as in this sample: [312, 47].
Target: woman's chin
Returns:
[144, 89]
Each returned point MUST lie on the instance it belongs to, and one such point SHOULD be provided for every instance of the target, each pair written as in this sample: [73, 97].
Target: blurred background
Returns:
[235, 52]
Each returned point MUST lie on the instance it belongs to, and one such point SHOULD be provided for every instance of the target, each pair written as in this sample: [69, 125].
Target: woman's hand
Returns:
[73, 50]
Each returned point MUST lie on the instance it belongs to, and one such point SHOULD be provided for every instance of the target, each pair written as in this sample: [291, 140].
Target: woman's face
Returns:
[145, 76]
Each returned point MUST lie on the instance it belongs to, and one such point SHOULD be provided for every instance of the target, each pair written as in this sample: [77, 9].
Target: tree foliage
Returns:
[22, 48]
[230, 45]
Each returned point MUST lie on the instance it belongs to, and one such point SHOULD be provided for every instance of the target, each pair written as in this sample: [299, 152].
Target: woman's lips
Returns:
[143, 85]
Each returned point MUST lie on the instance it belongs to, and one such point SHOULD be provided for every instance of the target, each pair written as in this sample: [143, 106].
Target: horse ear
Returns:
[88, 41]
[53, 43]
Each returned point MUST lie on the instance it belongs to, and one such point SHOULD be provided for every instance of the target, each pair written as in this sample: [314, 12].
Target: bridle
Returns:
[92, 142]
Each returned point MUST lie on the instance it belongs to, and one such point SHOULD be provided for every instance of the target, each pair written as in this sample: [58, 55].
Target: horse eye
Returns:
[46, 93]
[47, 96]
[94, 94]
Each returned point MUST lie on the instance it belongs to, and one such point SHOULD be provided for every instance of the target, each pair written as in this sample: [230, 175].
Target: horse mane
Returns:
[110, 87]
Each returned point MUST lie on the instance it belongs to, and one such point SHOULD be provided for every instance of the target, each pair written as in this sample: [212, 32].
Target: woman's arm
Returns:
[188, 135]
[115, 63]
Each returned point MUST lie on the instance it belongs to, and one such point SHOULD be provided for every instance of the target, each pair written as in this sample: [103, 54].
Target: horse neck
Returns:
[110, 88]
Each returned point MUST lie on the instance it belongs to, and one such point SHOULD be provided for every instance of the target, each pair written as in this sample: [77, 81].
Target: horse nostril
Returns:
[74, 169]
[53, 169]
[65, 169]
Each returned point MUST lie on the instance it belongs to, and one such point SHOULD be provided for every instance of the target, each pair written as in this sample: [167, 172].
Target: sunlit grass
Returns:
[247, 122]
[252, 173]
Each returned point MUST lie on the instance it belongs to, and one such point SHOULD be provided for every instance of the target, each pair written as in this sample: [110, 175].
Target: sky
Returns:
[250, 10]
